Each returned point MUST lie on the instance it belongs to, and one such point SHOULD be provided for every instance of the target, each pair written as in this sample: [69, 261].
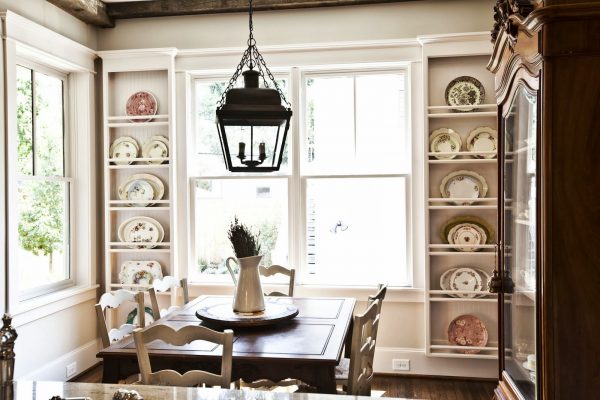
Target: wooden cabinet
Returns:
[546, 61]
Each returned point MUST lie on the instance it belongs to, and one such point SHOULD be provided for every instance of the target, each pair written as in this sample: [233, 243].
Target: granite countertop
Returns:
[26, 390]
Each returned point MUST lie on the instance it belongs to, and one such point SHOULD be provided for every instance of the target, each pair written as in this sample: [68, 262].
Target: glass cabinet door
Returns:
[520, 241]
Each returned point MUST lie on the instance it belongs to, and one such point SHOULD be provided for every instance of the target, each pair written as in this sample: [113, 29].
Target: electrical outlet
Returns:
[401, 364]
[71, 369]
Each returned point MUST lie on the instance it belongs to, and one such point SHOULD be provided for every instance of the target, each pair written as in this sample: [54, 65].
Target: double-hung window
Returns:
[43, 186]
[340, 215]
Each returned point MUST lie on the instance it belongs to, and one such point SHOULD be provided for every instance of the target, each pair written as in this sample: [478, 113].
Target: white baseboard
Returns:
[420, 364]
[84, 356]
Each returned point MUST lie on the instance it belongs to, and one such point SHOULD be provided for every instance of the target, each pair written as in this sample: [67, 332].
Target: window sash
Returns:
[40, 290]
[297, 173]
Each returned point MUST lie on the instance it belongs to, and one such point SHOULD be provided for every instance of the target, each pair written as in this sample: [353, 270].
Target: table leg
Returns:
[110, 371]
[348, 340]
[326, 380]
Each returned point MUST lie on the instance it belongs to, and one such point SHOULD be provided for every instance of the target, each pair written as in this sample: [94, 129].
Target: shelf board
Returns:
[452, 246]
[157, 244]
[462, 154]
[143, 209]
[119, 202]
[465, 161]
[139, 166]
[461, 355]
[134, 117]
[476, 107]
[135, 286]
[462, 300]
[139, 250]
[478, 114]
[136, 124]
[461, 253]
[441, 291]
[463, 207]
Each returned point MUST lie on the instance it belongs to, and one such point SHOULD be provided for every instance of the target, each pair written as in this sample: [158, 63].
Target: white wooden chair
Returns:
[278, 269]
[114, 300]
[181, 337]
[162, 285]
[359, 375]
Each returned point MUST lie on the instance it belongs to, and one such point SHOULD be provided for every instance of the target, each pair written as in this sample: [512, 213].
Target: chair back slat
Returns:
[182, 337]
[113, 300]
[364, 334]
[278, 269]
[163, 285]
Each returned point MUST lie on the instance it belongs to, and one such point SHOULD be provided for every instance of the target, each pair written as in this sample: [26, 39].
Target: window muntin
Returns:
[42, 187]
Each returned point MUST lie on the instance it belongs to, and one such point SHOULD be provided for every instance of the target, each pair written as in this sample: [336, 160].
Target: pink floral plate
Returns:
[139, 104]
[467, 330]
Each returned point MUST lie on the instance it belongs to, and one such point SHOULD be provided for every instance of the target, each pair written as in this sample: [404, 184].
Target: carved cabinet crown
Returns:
[506, 15]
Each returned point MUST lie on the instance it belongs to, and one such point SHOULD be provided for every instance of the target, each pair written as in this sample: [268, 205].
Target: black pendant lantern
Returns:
[252, 122]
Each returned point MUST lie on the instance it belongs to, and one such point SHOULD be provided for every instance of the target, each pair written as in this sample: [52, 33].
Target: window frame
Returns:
[297, 181]
[35, 67]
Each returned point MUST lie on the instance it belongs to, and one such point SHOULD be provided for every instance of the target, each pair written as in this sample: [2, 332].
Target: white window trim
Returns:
[297, 181]
[27, 40]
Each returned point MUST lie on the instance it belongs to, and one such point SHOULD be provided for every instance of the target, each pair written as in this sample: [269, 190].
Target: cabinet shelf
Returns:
[137, 287]
[121, 202]
[474, 107]
[147, 251]
[136, 117]
[140, 166]
[157, 244]
[141, 209]
[463, 160]
[136, 124]
[464, 114]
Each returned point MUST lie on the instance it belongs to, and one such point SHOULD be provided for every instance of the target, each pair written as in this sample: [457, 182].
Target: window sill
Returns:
[42, 306]
[395, 294]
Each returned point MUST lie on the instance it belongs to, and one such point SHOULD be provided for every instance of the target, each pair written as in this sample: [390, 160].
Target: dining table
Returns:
[307, 347]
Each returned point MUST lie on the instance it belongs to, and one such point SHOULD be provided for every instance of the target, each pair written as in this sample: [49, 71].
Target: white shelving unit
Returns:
[123, 74]
[444, 60]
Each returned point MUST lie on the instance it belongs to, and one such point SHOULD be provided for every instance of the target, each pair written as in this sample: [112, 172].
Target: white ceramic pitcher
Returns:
[248, 296]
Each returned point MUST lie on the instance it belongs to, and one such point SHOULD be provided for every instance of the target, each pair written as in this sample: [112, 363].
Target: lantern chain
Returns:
[258, 61]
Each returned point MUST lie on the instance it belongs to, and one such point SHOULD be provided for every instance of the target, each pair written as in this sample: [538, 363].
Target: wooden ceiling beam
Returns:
[163, 8]
[89, 11]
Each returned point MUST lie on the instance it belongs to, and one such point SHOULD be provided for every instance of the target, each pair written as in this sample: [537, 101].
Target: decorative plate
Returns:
[485, 278]
[445, 280]
[463, 185]
[467, 330]
[132, 317]
[140, 191]
[141, 103]
[483, 139]
[466, 236]
[155, 182]
[444, 140]
[466, 279]
[481, 223]
[156, 147]
[464, 91]
[141, 230]
[124, 147]
[140, 272]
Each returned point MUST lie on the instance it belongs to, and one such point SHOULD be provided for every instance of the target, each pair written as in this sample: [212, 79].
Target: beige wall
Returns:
[52, 17]
[374, 22]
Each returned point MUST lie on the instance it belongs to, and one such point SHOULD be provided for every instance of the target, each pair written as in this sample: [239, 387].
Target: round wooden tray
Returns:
[222, 314]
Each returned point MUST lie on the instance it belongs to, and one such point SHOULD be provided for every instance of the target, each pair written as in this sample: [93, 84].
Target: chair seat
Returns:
[342, 370]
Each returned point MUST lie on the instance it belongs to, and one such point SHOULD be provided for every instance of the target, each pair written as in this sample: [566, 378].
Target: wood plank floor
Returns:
[396, 386]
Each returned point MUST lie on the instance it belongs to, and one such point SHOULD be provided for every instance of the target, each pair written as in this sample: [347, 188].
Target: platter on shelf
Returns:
[140, 272]
[483, 139]
[141, 189]
[156, 147]
[482, 224]
[222, 314]
[467, 330]
[124, 147]
[444, 140]
[144, 230]
[467, 237]
[139, 104]
[465, 279]
[463, 185]
[464, 91]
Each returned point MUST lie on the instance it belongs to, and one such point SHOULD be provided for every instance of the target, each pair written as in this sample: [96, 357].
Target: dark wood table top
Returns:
[315, 336]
